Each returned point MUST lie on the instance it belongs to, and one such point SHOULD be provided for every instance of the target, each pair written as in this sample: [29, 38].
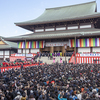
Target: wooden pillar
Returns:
[40, 50]
[51, 49]
[25, 48]
[29, 50]
[63, 50]
[21, 50]
[90, 49]
[76, 49]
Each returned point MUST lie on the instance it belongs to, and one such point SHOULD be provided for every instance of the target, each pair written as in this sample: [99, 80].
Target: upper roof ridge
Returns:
[71, 5]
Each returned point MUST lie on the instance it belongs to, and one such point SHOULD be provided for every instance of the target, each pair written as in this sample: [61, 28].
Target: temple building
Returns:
[7, 48]
[78, 26]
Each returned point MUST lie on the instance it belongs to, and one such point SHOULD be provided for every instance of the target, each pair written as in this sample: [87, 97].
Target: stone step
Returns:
[48, 61]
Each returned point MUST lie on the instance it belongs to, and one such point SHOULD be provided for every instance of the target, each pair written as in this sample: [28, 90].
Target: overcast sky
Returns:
[12, 11]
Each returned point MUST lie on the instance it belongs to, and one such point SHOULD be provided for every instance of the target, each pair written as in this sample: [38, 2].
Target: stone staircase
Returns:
[48, 61]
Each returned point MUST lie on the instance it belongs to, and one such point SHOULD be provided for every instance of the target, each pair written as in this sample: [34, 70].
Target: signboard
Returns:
[91, 54]
[27, 55]
[49, 44]
[13, 57]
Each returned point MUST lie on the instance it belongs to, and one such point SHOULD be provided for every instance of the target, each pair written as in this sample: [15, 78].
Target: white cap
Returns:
[18, 93]
[31, 91]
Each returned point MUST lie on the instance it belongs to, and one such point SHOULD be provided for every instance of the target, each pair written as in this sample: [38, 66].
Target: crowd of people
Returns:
[19, 62]
[51, 82]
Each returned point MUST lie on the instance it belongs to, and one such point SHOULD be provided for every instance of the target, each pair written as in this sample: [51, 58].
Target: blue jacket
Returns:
[61, 98]
[73, 97]
[71, 92]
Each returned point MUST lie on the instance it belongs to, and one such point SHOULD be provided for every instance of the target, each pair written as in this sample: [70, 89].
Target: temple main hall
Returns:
[78, 26]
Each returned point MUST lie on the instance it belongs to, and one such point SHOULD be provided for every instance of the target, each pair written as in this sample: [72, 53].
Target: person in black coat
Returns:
[21, 66]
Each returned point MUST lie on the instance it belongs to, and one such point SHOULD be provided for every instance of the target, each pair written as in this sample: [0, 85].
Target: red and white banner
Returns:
[91, 60]
[85, 58]
[27, 55]
[13, 58]
[88, 54]
[3, 69]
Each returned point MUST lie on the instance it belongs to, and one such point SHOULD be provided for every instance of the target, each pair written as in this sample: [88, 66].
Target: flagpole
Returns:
[75, 49]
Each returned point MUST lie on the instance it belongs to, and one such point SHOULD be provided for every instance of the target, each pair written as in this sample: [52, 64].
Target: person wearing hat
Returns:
[79, 95]
[18, 96]
[23, 96]
[60, 60]
[54, 60]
